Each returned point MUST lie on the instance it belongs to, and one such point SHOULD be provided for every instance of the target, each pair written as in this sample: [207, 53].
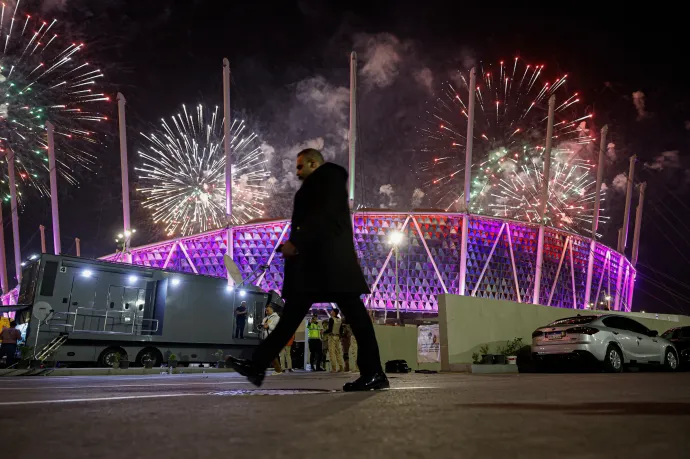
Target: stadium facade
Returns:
[501, 260]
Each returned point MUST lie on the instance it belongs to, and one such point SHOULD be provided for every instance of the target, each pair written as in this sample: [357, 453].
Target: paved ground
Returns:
[644, 415]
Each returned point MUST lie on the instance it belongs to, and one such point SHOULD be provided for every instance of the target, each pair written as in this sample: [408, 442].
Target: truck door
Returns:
[81, 302]
[125, 307]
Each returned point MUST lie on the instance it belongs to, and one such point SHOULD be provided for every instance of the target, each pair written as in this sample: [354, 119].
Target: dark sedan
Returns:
[680, 337]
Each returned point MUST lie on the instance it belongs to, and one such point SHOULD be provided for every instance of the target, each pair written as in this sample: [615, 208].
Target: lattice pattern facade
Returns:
[501, 260]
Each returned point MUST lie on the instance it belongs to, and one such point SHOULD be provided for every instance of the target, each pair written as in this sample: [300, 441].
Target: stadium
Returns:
[501, 260]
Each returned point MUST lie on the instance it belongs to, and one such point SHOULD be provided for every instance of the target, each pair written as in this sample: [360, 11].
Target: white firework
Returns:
[183, 173]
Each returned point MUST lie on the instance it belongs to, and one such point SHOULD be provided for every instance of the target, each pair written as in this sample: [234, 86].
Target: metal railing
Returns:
[60, 321]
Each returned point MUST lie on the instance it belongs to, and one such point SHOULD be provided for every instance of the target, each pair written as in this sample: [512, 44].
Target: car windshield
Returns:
[579, 320]
[668, 333]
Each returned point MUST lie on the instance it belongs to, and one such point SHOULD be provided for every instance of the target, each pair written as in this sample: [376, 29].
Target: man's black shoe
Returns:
[245, 368]
[376, 381]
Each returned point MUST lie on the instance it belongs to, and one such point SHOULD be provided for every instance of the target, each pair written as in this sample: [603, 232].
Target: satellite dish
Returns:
[233, 270]
[42, 310]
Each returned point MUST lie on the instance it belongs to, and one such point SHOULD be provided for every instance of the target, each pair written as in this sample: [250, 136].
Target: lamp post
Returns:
[123, 241]
[396, 239]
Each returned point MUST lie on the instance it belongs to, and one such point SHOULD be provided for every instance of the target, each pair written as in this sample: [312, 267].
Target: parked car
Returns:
[680, 337]
[612, 340]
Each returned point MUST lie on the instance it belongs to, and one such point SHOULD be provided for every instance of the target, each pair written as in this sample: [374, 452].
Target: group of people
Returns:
[332, 338]
[9, 337]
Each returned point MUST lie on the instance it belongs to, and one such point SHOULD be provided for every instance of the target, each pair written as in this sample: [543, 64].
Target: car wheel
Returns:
[670, 360]
[613, 362]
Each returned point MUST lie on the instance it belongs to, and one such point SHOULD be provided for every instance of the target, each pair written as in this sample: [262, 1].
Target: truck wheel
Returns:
[151, 353]
[106, 358]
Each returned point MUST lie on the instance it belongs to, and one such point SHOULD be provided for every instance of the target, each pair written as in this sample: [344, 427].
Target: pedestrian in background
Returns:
[324, 345]
[270, 322]
[286, 355]
[240, 320]
[335, 351]
[349, 347]
[10, 336]
[315, 347]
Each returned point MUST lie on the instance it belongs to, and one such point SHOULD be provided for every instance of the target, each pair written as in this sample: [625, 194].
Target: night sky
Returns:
[289, 64]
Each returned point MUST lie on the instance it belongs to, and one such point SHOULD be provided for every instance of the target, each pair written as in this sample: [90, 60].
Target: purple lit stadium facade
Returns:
[501, 259]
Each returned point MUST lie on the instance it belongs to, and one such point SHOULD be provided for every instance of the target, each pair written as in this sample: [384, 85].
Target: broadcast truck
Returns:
[79, 310]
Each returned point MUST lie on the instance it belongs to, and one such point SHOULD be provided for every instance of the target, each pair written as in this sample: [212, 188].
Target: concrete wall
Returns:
[466, 323]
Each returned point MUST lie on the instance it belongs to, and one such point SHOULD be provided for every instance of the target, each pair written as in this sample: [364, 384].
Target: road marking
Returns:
[126, 385]
[413, 388]
[99, 399]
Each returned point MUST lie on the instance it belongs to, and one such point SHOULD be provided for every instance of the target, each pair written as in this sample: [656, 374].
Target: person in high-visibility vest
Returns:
[315, 354]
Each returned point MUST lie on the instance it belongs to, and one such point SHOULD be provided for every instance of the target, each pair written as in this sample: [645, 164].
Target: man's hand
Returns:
[289, 250]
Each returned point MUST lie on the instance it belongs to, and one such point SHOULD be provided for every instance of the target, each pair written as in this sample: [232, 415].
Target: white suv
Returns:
[613, 340]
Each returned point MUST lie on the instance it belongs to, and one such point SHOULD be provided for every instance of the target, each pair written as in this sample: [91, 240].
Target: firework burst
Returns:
[510, 124]
[43, 79]
[184, 173]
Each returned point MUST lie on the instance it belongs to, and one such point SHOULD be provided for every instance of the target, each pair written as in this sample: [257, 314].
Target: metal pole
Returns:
[53, 188]
[638, 225]
[397, 287]
[631, 290]
[3, 259]
[227, 121]
[470, 138]
[463, 255]
[42, 229]
[595, 217]
[15, 218]
[77, 241]
[121, 101]
[227, 141]
[544, 199]
[628, 203]
[352, 134]
[600, 179]
[468, 181]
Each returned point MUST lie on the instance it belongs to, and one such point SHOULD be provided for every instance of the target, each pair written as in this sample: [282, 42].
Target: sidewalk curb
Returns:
[494, 369]
[109, 371]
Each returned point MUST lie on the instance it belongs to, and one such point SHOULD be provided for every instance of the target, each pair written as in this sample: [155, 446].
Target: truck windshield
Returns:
[27, 290]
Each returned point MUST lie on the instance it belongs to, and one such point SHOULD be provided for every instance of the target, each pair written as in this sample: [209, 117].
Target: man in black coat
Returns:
[321, 266]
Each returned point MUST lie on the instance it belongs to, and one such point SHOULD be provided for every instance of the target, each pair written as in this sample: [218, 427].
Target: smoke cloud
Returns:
[387, 191]
[620, 183]
[639, 101]
[417, 196]
[382, 54]
[328, 100]
[425, 78]
[666, 160]
[611, 151]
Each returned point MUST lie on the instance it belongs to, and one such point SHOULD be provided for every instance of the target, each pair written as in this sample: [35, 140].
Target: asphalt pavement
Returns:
[302, 415]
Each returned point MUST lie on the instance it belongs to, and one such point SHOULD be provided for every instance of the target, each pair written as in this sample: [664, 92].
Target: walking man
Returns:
[321, 266]
[240, 320]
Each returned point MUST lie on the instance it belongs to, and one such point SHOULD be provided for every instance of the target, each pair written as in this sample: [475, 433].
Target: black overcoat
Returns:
[321, 229]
